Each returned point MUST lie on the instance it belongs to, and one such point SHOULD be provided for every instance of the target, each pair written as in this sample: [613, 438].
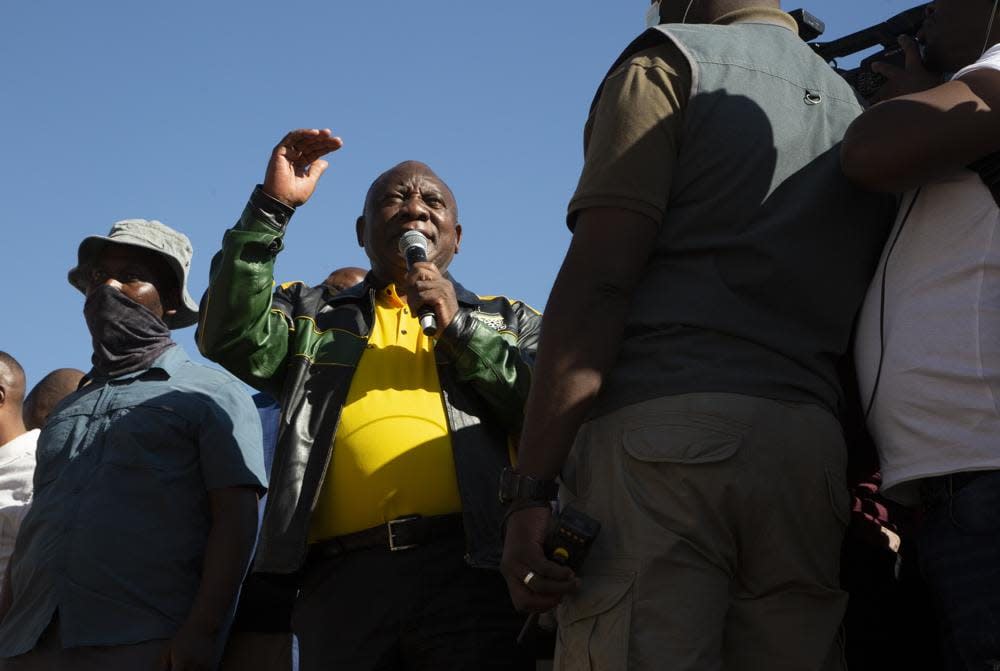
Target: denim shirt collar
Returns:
[167, 363]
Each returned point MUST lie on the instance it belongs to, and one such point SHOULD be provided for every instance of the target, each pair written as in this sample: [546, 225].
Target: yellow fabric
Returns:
[392, 452]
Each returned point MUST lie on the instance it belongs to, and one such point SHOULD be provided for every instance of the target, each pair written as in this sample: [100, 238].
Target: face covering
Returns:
[653, 15]
[127, 337]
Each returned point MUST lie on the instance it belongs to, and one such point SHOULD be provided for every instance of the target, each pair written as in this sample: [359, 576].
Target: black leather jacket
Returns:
[303, 345]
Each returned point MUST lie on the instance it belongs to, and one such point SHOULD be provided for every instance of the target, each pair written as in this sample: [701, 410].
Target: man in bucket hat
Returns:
[146, 485]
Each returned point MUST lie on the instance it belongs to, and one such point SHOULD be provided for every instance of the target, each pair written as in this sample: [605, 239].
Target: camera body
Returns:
[884, 35]
[867, 82]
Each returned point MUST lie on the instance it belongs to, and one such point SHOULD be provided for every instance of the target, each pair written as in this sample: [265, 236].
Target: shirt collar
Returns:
[169, 362]
[388, 297]
[769, 15]
[23, 443]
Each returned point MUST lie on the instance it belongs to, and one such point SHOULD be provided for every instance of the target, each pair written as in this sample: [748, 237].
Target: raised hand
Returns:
[296, 166]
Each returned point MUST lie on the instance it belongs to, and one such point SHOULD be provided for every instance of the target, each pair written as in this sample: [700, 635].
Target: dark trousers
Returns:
[959, 547]
[890, 618]
[49, 655]
[423, 608]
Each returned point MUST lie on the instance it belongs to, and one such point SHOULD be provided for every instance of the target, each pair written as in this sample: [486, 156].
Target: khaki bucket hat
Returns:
[160, 238]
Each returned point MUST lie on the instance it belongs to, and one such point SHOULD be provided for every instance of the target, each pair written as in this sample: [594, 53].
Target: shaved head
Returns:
[401, 169]
[12, 385]
[345, 278]
[12, 380]
[46, 395]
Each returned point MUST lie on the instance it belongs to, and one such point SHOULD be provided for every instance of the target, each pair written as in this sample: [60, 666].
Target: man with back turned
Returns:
[703, 401]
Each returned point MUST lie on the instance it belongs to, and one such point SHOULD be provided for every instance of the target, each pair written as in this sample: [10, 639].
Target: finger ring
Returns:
[528, 577]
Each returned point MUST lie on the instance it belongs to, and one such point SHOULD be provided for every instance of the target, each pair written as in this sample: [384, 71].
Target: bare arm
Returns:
[583, 325]
[598, 277]
[230, 541]
[912, 139]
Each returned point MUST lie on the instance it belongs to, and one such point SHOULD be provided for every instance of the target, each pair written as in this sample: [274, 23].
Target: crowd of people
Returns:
[768, 368]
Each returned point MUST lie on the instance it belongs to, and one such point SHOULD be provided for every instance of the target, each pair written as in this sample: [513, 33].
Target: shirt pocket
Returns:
[150, 436]
[58, 445]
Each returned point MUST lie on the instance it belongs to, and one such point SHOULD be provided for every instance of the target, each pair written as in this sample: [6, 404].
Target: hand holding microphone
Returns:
[433, 293]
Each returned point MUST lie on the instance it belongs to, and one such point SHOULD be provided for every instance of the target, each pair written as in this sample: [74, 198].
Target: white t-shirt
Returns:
[937, 408]
[17, 469]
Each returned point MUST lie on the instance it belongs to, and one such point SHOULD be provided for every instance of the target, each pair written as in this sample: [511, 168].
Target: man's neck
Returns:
[9, 430]
[710, 11]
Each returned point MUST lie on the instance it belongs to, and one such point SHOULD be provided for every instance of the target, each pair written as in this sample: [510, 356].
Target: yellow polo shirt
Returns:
[392, 452]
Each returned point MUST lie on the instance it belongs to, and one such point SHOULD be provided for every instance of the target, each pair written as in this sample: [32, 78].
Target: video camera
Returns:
[885, 35]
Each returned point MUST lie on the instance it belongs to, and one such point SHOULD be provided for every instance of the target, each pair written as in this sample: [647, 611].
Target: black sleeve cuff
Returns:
[278, 212]
[454, 339]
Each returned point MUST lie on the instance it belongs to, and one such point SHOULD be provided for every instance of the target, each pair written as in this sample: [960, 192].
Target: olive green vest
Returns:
[766, 250]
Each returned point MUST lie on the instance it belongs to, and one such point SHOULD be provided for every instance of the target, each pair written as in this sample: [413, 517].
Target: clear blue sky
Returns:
[168, 110]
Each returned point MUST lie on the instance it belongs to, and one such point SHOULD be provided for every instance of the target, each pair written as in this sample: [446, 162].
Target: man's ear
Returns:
[360, 229]
[3, 395]
[458, 236]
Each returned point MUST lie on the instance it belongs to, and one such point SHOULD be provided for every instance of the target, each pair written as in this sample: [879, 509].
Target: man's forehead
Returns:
[409, 174]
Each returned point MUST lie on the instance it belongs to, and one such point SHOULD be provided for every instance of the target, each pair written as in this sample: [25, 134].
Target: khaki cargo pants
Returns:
[722, 520]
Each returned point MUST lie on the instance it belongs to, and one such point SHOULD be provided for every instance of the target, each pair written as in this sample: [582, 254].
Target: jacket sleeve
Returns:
[237, 326]
[497, 364]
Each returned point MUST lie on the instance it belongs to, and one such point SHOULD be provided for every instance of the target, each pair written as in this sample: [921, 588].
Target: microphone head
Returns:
[412, 239]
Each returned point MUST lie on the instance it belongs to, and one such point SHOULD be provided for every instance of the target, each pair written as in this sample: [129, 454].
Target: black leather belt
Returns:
[404, 533]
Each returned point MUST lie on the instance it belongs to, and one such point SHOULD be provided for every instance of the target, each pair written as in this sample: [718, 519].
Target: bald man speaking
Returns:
[392, 439]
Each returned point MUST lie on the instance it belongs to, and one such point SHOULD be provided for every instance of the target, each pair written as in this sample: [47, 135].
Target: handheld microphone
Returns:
[413, 248]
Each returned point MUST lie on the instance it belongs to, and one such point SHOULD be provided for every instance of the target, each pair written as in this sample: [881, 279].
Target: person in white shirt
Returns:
[17, 461]
[46, 395]
[928, 338]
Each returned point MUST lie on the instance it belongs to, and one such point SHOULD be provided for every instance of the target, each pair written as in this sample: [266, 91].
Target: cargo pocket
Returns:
[594, 623]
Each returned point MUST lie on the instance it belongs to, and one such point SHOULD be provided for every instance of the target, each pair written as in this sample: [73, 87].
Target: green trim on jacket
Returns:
[301, 345]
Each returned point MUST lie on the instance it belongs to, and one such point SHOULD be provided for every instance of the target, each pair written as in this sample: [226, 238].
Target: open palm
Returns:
[296, 164]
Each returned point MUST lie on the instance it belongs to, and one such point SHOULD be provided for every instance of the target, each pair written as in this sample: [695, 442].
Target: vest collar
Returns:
[772, 16]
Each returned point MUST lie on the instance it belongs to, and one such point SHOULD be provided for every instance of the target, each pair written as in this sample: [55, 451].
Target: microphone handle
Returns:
[428, 322]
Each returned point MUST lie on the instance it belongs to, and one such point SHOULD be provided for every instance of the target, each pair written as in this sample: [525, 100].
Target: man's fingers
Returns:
[527, 601]
[539, 594]
[315, 151]
[307, 144]
[911, 51]
[887, 70]
[546, 577]
[316, 169]
[542, 585]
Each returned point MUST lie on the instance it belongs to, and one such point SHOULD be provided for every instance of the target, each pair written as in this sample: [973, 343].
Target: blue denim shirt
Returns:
[116, 534]
[270, 419]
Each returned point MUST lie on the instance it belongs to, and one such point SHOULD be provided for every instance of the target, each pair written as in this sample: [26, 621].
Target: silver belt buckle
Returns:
[392, 533]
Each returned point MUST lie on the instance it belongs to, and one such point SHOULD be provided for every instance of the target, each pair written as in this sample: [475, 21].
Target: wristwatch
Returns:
[517, 487]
